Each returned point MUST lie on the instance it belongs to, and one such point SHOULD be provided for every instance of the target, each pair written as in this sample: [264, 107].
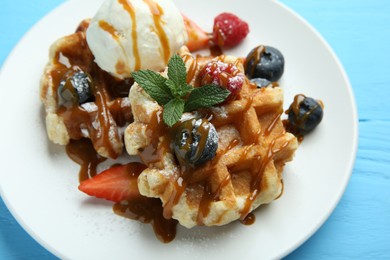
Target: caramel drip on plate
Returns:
[148, 210]
[83, 153]
[131, 11]
[249, 219]
[157, 13]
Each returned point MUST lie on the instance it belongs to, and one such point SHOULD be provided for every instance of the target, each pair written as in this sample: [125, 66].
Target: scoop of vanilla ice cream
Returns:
[129, 35]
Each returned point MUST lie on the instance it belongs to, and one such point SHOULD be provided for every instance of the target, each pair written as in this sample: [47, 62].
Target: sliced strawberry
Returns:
[116, 183]
[197, 37]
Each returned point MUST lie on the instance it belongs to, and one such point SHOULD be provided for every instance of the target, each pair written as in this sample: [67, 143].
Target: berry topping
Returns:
[229, 30]
[304, 114]
[75, 89]
[197, 38]
[225, 75]
[264, 62]
[116, 183]
[196, 142]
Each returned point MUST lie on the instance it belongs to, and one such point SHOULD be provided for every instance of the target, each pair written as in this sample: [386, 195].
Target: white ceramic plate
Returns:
[39, 183]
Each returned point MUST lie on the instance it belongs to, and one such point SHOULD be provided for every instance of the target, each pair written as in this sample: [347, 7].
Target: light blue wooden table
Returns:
[359, 32]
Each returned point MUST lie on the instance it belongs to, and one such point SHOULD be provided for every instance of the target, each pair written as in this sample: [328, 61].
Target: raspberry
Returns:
[225, 75]
[229, 30]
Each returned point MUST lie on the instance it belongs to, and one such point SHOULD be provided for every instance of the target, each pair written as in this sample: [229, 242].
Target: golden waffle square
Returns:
[246, 172]
[102, 117]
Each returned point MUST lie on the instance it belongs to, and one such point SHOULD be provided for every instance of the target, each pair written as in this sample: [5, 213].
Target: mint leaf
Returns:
[172, 87]
[184, 90]
[177, 70]
[153, 84]
[173, 111]
[206, 96]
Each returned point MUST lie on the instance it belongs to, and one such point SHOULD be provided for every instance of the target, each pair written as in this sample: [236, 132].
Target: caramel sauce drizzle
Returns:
[110, 29]
[106, 126]
[272, 125]
[152, 153]
[255, 56]
[121, 67]
[300, 120]
[298, 99]
[260, 165]
[191, 69]
[131, 11]
[176, 193]
[210, 196]
[157, 13]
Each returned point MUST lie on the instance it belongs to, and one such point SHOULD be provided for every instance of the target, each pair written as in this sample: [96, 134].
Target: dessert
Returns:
[206, 131]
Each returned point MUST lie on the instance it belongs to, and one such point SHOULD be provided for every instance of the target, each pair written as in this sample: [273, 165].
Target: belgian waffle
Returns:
[246, 172]
[102, 116]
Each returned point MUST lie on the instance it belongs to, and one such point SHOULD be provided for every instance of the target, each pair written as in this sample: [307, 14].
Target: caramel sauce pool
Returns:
[148, 210]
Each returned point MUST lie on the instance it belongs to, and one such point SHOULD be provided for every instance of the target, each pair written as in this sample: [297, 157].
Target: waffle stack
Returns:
[246, 172]
[106, 112]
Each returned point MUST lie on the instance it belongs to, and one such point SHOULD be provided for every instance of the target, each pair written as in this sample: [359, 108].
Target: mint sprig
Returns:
[174, 94]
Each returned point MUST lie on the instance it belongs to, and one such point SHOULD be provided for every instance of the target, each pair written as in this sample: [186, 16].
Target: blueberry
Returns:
[305, 113]
[261, 83]
[75, 89]
[264, 62]
[196, 142]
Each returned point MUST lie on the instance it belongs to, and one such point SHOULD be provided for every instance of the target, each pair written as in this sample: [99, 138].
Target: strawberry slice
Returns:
[116, 183]
[197, 38]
